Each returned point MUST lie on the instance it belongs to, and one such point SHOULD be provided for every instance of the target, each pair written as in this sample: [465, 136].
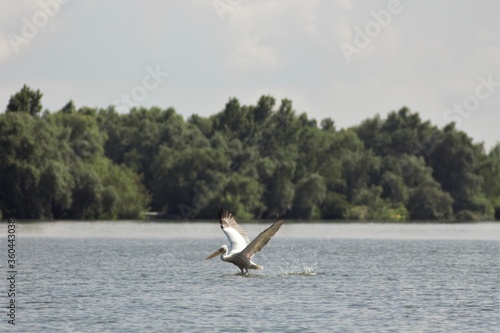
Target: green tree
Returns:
[257, 161]
[86, 195]
[454, 164]
[242, 195]
[357, 167]
[309, 196]
[21, 154]
[428, 202]
[489, 169]
[26, 100]
[55, 190]
[187, 182]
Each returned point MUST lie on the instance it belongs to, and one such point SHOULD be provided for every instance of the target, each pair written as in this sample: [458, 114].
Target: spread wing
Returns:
[236, 235]
[262, 239]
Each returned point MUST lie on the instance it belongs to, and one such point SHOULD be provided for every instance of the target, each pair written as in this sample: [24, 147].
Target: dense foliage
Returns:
[255, 160]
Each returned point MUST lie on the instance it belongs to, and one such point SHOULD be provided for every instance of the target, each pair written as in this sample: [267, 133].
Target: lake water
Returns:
[153, 277]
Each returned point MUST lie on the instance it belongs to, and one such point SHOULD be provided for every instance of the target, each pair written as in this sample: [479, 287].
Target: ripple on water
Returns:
[124, 285]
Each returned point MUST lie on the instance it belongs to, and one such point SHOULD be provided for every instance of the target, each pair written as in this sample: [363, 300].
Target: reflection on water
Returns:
[132, 229]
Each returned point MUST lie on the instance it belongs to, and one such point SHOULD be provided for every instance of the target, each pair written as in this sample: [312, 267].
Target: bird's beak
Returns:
[216, 253]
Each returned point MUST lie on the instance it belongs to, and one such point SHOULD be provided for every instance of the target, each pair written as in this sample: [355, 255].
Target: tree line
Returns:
[254, 160]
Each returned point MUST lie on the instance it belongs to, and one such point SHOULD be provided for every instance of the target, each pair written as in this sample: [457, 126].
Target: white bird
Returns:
[242, 250]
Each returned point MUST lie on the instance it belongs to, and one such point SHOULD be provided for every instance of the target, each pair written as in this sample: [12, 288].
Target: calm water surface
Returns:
[152, 277]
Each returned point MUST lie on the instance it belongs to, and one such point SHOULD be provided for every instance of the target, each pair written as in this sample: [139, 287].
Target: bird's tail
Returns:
[255, 266]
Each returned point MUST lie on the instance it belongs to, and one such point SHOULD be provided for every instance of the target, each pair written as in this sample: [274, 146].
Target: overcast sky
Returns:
[347, 60]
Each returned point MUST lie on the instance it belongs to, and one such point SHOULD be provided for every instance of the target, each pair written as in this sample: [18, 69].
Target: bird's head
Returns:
[222, 250]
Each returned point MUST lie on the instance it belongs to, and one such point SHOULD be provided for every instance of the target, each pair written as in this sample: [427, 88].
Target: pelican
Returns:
[242, 250]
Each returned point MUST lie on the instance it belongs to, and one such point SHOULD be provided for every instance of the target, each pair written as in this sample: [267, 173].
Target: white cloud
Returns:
[251, 54]
[345, 4]
[486, 34]
[5, 48]
[260, 29]
[344, 32]
[286, 48]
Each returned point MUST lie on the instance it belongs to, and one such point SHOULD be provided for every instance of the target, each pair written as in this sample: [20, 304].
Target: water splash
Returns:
[304, 264]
